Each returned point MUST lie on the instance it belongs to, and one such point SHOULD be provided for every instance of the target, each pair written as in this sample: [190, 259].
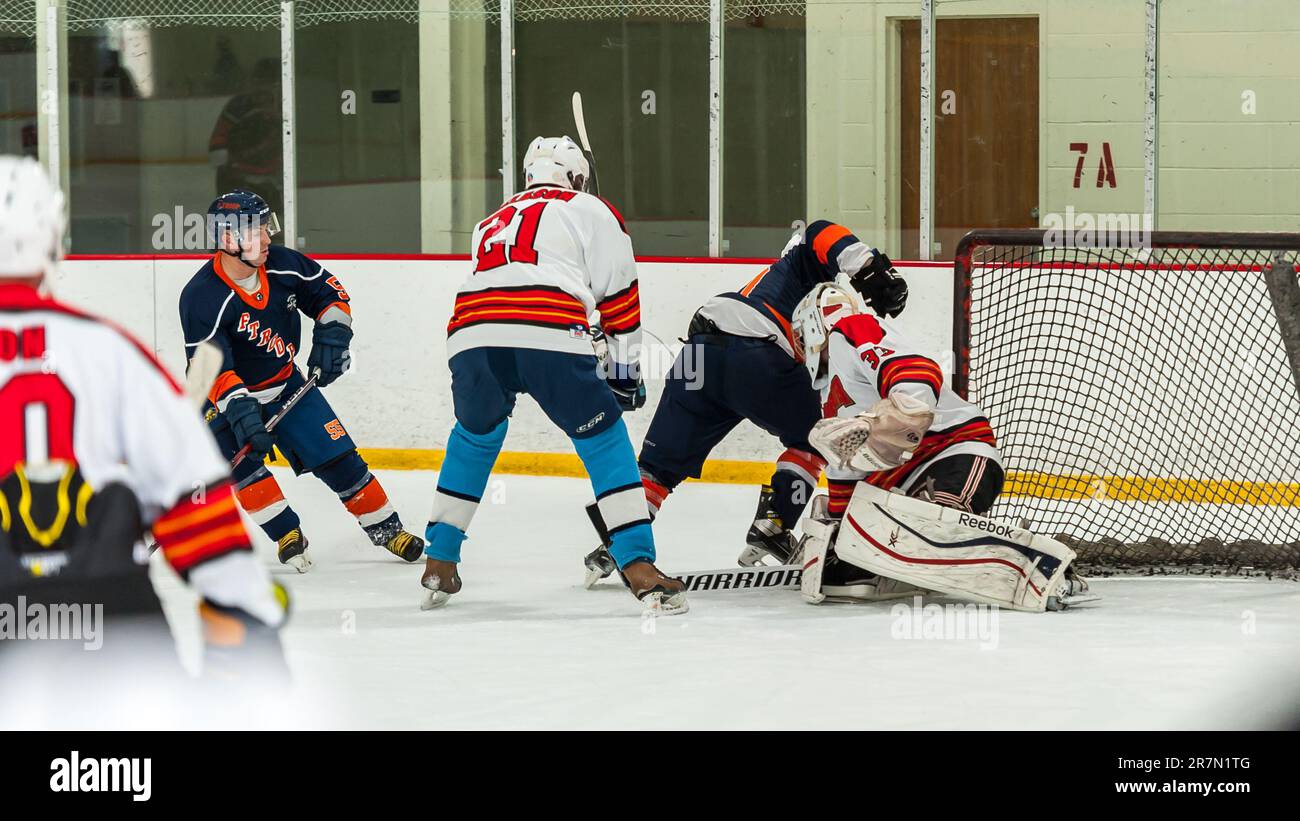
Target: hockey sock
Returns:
[656, 492]
[461, 482]
[363, 496]
[841, 490]
[261, 498]
[620, 495]
[793, 484]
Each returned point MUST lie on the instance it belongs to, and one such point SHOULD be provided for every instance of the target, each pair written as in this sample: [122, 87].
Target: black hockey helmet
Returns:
[236, 212]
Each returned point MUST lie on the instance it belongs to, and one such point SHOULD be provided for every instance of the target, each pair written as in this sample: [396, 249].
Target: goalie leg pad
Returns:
[951, 552]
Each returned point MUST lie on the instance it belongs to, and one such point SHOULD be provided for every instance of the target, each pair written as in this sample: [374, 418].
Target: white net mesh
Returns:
[18, 17]
[92, 14]
[89, 14]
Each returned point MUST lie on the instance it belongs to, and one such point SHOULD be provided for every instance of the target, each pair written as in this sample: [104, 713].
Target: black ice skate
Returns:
[292, 550]
[600, 565]
[389, 535]
[767, 536]
[843, 581]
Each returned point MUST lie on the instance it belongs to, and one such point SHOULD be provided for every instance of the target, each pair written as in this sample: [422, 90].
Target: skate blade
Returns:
[594, 576]
[660, 604]
[434, 599]
[1058, 603]
[758, 557]
[302, 562]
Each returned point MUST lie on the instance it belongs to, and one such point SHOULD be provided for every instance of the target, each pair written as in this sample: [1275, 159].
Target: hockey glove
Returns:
[626, 383]
[238, 645]
[244, 413]
[882, 286]
[329, 351]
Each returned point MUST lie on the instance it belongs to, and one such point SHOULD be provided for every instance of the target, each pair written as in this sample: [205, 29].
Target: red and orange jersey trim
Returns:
[535, 305]
[194, 532]
[621, 312]
[914, 368]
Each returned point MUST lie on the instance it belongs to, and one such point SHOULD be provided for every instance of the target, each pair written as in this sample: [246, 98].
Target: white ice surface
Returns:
[524, 646]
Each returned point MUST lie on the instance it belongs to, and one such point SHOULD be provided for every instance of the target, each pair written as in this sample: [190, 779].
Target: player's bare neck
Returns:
[240, 272]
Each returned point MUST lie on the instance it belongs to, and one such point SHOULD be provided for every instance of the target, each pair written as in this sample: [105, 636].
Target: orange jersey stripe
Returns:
[224, 384]
[829, 235]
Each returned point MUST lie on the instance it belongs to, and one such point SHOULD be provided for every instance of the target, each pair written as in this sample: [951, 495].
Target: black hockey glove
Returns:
[244, 414]
[627, 385]
[329, 351]
[882, 286]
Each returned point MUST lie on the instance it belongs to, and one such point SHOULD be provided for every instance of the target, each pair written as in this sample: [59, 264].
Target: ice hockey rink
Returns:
[525, 646]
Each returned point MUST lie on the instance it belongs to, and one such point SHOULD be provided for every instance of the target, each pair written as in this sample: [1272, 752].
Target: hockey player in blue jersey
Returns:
[751, 368]
[547, 260]
[247, 301]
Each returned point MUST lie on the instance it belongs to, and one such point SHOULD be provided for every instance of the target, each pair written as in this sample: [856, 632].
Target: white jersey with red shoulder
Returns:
[869, 359]
[79, 389]
[547, 260]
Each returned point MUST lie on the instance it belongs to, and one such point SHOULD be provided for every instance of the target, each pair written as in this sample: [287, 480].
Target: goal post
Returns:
[1146, 397]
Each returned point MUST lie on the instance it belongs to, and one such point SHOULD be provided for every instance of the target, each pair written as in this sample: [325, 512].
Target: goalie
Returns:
[891, 423]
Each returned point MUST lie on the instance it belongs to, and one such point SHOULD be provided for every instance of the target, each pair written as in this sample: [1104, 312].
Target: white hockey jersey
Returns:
[78, 389]
[543, 264]
[868, 360]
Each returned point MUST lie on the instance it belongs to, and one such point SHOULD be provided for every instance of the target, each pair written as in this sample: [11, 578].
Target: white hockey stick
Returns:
[581, 122]
[203, 370]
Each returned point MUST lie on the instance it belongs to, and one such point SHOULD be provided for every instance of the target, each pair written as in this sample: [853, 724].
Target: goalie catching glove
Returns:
[879, 439]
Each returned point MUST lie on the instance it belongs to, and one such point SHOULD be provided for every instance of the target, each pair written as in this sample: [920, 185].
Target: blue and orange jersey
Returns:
[258, 333]
[763, 307]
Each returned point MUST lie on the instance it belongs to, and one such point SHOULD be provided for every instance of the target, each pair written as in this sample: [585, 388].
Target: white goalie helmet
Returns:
[826, 304]
[32, 219]
[556, 161]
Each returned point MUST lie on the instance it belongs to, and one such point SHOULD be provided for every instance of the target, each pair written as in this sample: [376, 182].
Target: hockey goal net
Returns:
[1146, 399]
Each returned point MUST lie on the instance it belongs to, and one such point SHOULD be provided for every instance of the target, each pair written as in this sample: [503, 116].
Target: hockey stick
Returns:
[270, 426]
[581, 122]
[280, 414]
[762, 577]
[202, 371]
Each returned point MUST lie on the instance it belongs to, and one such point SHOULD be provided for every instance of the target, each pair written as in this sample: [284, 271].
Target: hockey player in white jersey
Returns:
[892, 423]
[97, 442]
[547, 260]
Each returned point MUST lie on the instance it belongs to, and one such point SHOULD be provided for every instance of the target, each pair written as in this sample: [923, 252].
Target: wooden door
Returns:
[985, 128]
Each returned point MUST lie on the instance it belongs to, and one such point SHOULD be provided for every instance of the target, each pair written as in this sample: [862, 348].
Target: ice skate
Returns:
[441, 580]
[389, 535]
[767, 536]
[842, 581]
[292, 550]
[406, 546]
[1072, 590]
[663, 595]
[600, 565]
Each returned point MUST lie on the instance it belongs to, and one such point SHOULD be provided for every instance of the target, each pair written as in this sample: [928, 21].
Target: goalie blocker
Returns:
[943, 550]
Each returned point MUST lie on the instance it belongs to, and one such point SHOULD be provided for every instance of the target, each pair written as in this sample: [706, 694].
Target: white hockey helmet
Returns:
[814, 317]
[32, 219]
[556, 161]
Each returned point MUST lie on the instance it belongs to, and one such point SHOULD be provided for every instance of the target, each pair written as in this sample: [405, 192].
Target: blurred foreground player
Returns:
[96, 443]
[543, 263]
[892, 423]
[745, 359]
[246, 300]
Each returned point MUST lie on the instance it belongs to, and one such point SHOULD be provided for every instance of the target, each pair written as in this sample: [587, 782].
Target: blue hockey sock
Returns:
[616, 480]
[461, 482]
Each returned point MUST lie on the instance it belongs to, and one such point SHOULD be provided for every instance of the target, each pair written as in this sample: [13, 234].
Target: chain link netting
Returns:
[1144, 404]
[18, 18]
[262, 14]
